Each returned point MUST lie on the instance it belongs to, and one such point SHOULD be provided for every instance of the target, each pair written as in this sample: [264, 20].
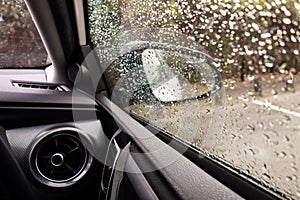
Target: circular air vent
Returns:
[59, 158]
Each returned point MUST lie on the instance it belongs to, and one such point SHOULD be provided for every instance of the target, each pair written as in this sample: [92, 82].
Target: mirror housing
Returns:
[153, 71]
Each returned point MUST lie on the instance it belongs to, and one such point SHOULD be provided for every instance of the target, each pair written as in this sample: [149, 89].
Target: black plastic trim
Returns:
[139, 182]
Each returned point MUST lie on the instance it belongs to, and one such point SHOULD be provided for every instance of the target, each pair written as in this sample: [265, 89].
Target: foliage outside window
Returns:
[20, 43]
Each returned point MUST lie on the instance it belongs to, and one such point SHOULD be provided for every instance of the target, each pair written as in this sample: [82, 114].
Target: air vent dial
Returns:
[59, 159]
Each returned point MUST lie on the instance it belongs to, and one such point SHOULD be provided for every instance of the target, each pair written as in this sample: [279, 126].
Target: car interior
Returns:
[62, 137]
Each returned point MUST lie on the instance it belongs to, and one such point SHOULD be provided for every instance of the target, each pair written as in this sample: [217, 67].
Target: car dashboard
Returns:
[41, 132]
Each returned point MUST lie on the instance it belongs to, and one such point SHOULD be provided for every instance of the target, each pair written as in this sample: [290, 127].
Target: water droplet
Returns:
[265, 35]
[274, 92]
[290, 81]
[261, 125]
[286, 139]
[266, 177]
[252, 152]
[229, 97]
[255, 26]
[282, 154]
[294, 169]
[287, 20]
[250, 128]
[269, 64]
[297, 5]
[267, 137]
[251, 77]
[264, 168]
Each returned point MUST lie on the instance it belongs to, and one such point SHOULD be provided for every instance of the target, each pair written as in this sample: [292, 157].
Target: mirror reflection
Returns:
[174, 76]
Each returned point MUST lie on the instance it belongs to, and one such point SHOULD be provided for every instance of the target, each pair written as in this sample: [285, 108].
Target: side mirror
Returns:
[167, 73]
[177, 74]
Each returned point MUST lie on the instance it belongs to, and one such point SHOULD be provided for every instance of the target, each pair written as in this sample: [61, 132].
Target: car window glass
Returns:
[255, 47]
[20, 43]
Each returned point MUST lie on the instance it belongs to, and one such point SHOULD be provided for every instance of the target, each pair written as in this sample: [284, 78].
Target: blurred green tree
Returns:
[20, 43]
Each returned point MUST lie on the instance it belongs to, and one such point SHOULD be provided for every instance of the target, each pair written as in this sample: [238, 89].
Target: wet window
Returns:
[20, 43]
[222, 76]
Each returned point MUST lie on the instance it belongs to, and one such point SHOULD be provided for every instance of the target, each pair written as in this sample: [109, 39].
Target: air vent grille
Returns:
[59, 159]
[41, 86]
